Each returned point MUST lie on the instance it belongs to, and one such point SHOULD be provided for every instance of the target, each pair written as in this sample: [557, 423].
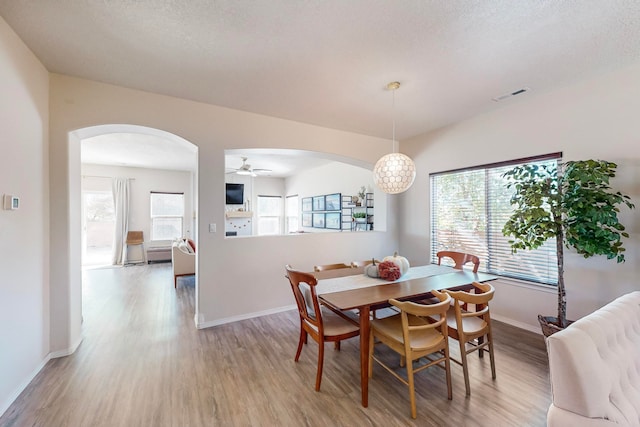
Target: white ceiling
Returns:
[327, 62]
[138, 150]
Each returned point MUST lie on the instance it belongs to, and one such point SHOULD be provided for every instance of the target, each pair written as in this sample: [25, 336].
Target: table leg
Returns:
[365, 326]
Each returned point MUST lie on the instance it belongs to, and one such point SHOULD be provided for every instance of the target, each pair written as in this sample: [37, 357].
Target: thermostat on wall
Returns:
[11, 202]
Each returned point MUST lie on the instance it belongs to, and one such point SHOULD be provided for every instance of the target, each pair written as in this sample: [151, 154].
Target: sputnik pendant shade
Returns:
[395, 172]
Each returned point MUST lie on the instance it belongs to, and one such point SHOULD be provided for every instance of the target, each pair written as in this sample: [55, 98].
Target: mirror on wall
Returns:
[272, 192]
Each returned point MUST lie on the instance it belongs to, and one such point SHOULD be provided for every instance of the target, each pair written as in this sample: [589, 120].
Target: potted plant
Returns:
[362, 193]
[360, 216]
[576, 206]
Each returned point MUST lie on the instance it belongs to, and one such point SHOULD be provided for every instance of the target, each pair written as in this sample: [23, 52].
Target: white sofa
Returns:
[595, 368]
[183, 260]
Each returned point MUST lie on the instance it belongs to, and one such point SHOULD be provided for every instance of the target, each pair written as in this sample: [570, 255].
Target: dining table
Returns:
[350, 289]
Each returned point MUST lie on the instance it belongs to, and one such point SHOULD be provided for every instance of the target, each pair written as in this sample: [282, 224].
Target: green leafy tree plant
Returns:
[575, 205]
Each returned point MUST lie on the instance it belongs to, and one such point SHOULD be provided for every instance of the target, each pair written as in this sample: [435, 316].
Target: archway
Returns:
[138, 147]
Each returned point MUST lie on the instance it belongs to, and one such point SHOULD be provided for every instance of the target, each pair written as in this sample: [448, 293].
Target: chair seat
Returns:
[470, 325]
[420, 340]
[334, 324]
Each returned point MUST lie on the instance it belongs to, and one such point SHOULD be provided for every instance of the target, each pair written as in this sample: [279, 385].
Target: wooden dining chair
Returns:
[318, 322]
[460, 259]
[472, 329]
[414, 335]
[358, 264]
[330, 267]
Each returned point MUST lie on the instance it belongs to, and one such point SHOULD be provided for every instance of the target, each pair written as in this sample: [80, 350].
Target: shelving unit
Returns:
[347, 213]
[369, 206]
[366, 207]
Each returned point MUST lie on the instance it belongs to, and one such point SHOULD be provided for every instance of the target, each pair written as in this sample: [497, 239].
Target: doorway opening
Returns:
[98, 227]
[150, 161]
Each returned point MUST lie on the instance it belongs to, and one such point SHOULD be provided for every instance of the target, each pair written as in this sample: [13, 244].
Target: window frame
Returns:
[292, 200]
[154, 217]
[259, 215]
[490, 244]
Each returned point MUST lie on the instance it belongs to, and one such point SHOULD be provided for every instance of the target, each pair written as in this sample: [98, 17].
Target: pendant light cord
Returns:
[393, 86]
[394, 148]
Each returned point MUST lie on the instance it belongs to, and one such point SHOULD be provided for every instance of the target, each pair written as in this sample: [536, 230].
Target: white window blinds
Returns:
[468, 210]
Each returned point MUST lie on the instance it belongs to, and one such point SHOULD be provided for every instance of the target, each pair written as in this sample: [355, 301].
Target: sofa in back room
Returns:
[183, 259]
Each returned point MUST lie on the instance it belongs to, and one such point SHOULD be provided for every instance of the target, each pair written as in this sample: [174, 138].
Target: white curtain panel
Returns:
[120, 188]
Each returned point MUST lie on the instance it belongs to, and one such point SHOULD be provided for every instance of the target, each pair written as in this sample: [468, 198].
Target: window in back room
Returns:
[167, 215]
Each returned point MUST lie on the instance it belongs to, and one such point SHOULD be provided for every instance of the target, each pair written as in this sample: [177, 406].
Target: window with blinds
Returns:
[292, 211]
[469, 207]
[167, 215]
[269, 215]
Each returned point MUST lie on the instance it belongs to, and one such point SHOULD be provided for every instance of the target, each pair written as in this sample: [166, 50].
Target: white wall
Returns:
[143, 182]
[334, 177]
[247, 226]
[237, 277]
[340, 178]
[24, 233]
[596, 118]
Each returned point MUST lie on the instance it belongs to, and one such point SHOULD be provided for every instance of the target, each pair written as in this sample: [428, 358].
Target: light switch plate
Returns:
[11, 202]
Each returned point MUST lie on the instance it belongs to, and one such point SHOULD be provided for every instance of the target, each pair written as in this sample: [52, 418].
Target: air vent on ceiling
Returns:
[509, 95]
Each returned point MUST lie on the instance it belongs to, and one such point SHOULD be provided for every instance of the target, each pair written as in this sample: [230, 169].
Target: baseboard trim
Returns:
[201, 324]
[67, 351]
[52, 355]
[217, 322]
[527, 327]
[13, 396]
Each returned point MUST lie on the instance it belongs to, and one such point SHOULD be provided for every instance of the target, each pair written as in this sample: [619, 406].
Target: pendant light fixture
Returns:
[394, 173]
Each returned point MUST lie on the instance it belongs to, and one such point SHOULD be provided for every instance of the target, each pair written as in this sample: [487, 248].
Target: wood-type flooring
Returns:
[143, 363]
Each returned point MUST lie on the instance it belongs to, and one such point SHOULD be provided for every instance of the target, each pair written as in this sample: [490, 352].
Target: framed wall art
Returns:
[307, 220]
[318, 220]
[318, 203]
[332, 202]
[332, 220]
[307, 204]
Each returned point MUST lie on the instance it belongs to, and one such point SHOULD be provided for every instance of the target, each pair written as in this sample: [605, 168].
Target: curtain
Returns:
[120, 188]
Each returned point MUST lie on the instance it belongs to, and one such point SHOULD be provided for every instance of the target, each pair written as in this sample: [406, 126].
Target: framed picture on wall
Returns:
[307, 204]
[318, 220]
[332, 202]
[332, 220]
[318, 203]
[307, 219]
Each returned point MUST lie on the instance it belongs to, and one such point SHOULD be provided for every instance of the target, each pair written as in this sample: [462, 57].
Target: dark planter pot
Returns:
[549, 325]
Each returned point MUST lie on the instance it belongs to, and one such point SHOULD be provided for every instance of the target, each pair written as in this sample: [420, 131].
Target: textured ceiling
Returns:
[327, 62]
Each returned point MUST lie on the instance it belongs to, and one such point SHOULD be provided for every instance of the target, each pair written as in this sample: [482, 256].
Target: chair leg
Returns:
[371, 347]
[320, 361]
[412, 390]
[447, 369]
[303, 340]
[491, 358]
[175, 282]
[336, 345]
[465, 368]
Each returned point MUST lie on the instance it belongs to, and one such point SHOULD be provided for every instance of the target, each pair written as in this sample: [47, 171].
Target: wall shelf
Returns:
[239, 214]
[367, 208]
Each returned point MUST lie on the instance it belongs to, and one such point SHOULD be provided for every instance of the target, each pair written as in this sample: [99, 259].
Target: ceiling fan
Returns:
[246, 169]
